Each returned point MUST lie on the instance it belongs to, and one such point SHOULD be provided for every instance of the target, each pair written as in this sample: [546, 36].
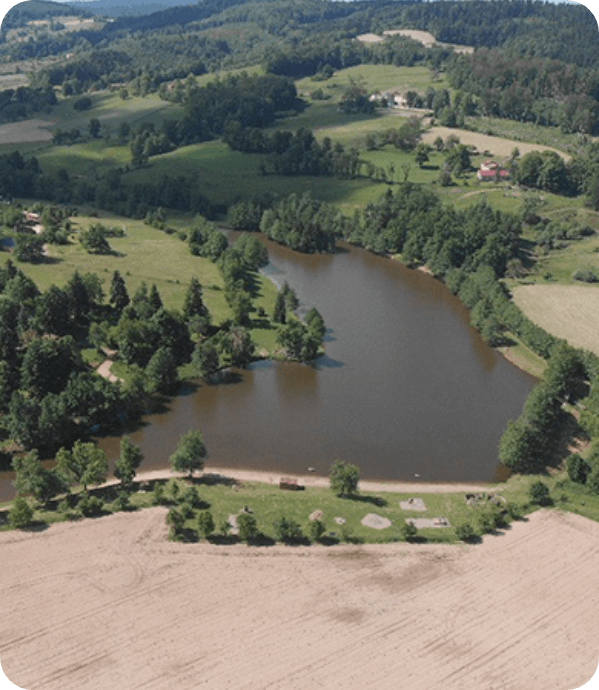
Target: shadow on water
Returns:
[325, 362]
[225, 377]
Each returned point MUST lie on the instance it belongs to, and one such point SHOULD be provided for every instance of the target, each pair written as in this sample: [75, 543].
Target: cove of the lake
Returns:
[407, 389]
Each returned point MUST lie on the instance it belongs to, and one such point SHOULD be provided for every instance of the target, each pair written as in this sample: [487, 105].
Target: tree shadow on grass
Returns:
[374, 500]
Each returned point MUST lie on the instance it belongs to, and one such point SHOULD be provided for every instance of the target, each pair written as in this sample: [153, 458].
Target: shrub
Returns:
[205, 523]
[577, 468]
[586, 275]
[191, 497]
[317, 530]
[287, 531]
[83, 103]
[465, 532]
[158, 495]
[409, 531]
[539, 493]
[248, 527]
[21, 513]
[91, 506]
[514, 510]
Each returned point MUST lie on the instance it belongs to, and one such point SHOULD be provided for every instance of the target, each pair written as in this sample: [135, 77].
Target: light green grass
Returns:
[228, 176]
[269, 503]
[377, 78]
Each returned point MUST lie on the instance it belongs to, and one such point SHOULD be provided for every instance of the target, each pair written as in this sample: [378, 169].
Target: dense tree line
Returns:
[23, 102]
[304, 224]
[296, 153]
[547, 92]
[48, 396]
[413, 221]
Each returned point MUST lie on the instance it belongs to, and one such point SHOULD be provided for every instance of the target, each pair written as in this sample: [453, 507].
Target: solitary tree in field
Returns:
[190, 454]
[344, 478]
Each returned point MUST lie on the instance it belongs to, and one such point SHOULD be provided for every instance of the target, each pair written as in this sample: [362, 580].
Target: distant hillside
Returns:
[33, 10]
[122, 8]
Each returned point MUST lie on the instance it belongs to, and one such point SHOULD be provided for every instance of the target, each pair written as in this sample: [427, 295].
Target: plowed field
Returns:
[108, 603]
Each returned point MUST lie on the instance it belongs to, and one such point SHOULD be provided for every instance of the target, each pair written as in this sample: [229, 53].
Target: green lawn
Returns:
[269, 503]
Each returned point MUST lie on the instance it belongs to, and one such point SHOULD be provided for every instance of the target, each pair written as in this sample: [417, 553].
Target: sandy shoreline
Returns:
[309, 480]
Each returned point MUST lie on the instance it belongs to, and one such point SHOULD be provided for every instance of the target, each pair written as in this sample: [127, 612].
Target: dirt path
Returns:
[104, 370]
[108, 603]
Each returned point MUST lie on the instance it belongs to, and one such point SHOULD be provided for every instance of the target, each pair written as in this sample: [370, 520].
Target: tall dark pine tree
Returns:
[280, 315]
[154, 298]
[119, 297]
[194, 301]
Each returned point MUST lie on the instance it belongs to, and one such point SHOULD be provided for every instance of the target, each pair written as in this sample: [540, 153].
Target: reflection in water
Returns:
[406, 387]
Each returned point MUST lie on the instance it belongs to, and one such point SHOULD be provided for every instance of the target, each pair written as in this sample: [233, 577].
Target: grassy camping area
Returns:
[224, 497]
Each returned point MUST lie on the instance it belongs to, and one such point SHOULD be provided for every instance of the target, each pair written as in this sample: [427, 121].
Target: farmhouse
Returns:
[490, 170]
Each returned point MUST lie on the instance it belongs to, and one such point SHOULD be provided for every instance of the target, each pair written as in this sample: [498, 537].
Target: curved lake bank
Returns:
[407, 389]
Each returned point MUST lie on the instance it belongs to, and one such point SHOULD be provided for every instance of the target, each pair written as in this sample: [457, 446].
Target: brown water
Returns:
[407, 390]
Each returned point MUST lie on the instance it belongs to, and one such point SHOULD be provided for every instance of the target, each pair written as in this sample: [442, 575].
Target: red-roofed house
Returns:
[492, 171]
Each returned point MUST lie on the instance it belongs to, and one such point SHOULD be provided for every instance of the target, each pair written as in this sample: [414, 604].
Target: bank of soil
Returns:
[110, 603]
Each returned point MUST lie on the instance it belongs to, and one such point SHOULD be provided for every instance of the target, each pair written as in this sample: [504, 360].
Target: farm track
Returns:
[110, 603]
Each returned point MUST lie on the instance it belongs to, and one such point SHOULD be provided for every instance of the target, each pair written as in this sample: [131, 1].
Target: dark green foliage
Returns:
[34, 480]
[91, 506]
[245, 216]
[538, 493]
[159, 497]
[577, 468]
[299, 341]
[235, 346]
[205, 240]
[253, 252]
[316, 323]
[248, 527]
[86, 464]
[303, 223]
[194, 301]
[48, 364]
[409, 531]
[83, 103]
[465, 531]
[161, 372]
[29, 248]
[94, 241]
[205, 358]
[344, 479]
[21, 513]
[206, 524]
[287, 531]
[280, 310]
[119, 297]
[317, 530]
[190, 454]
[128, 462]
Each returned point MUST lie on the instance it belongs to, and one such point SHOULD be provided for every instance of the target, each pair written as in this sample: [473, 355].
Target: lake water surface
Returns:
[406, 388]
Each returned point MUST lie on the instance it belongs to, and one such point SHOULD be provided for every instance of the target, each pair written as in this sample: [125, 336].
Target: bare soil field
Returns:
[108, 603]
[566, 311]
[496, 145]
